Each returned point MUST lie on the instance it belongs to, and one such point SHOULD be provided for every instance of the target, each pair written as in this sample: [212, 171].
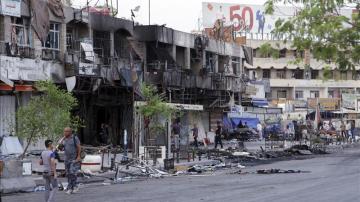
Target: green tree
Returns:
[319, 26]
[46, 115]
[155, 108]
[266, 50]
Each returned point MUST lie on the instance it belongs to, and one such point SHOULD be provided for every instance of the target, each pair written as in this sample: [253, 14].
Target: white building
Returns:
[293, 82]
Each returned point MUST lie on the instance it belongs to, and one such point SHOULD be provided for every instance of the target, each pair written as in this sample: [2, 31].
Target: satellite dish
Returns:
[136, 9]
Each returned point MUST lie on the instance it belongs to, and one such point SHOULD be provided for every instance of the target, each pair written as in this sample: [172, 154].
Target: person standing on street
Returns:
[176, 133]
[49, 174]
[260, 130]
[195, 131]
[72, 162]
[218, 132]
[343, 131]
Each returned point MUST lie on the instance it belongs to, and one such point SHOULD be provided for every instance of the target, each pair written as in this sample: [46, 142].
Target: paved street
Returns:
[334, 177]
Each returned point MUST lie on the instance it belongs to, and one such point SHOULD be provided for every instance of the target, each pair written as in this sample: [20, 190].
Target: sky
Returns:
[181, 15]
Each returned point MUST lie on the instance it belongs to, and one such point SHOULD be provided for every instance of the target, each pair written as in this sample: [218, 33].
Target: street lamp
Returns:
[149, 12]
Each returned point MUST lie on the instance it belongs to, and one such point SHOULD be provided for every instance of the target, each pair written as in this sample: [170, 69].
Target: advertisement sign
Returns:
[249, 18]
[326, 104]
[16, 68]
[349, 101]
[10, 7]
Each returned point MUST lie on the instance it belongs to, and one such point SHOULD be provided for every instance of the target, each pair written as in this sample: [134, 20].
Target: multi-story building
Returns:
[102, 59]
[287, 80]
[292, 81]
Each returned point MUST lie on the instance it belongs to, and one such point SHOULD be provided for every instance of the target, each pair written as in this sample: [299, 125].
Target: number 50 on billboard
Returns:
[249, 18]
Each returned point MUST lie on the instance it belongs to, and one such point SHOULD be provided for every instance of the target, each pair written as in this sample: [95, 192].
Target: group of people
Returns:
[70, 144]
[195, 133]
[345, 129]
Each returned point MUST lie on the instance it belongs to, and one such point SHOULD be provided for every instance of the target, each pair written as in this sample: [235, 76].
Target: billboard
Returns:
[326, 104]
[249, 18]
[350, 101]
[10, 7]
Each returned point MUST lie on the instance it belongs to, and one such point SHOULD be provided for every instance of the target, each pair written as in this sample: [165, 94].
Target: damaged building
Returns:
[100, 58]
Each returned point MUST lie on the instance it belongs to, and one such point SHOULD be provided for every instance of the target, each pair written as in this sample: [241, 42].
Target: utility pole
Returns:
[149, 12]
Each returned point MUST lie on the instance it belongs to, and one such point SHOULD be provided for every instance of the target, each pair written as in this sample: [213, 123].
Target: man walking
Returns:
[72, 162]
[49, 174]
[195, 131]
[218, 135]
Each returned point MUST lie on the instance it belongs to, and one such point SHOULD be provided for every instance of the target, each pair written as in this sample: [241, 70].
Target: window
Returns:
[236, 65]
[281, 94]
[53, 40]
[314, 74]
[299, 94]
[282, 53]
[69, 39]
[266, 73]
[314, 94]
[210, 63]
[280, 74]
[20, 31]
[254, 52]
[299, 54]
[331, 94]
[298, 74]
[268, 95]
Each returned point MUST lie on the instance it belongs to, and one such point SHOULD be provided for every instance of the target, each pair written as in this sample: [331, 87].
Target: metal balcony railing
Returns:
[15, 50]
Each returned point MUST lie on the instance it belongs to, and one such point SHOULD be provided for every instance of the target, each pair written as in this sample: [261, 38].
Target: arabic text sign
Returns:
[11, 7]
[326, 104]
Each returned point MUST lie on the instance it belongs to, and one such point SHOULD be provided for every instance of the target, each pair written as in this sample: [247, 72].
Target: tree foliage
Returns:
[155, 108]
[319, 26]
[46, 115]
[266, 50]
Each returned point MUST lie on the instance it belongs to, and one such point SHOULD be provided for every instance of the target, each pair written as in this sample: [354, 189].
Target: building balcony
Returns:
[182, 79]
[314, 83]
[22, 51]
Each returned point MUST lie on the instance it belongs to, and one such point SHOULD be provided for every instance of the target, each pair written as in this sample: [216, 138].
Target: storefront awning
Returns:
[259, 102]
[22, 88]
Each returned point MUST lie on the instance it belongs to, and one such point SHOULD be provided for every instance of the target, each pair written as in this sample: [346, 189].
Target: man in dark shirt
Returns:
[72, 162]
[195, 131]
[218, 135]
[176, 134]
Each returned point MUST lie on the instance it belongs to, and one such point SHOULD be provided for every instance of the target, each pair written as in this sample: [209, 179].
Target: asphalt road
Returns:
[332, 178]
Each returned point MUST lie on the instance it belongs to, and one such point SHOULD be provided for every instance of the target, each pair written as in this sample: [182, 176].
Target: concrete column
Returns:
[173, 52]
[112, 45]
[326, 92]
[216, 68]
[187, 58]
[7, 28]
[62, 40]
[203, 59]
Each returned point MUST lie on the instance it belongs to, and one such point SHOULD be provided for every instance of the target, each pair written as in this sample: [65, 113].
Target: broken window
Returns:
[53, 39]
[210, 62]
[20, 31]
[102, 45]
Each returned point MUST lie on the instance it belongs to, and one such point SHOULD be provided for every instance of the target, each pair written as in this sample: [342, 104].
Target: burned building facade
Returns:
[100, 58]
